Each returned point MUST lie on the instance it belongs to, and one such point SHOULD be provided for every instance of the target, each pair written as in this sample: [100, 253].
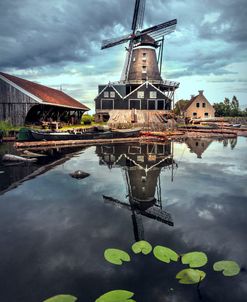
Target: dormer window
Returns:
[140, 94]
[112, 94]
[153, 94]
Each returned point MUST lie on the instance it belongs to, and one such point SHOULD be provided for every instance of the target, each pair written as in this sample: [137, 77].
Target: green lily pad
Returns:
[165, 254]
[190, 276]
[116, 296]
[62, 298]
[195, 259]
[142, 247]
[229, 268]
[116, 256]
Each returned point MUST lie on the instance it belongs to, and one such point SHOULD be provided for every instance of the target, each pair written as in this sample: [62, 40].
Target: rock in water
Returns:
[79, 174]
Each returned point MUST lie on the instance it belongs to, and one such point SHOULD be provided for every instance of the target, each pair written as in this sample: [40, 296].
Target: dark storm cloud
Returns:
[54, 33]
[35, 33]
[231, 24]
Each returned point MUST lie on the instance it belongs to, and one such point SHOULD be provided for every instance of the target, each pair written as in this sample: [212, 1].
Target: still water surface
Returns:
[187, 196]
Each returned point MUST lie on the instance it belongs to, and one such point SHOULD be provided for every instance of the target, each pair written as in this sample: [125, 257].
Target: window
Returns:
[194, 114]
[151, 105]
[160, 105]
[140, 94]
[206, 113]
[197, 105]
[135, 104]
[106, 94]
[144, 69]
[204, 105]
[112, 94]
[144, 56]
[153, 94]
[134, 59]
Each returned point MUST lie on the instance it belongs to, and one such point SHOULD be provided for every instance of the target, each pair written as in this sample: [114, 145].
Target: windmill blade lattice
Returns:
[138, 16]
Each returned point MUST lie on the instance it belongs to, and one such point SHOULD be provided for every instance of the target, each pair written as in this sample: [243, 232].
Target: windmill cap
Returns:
[146, 40]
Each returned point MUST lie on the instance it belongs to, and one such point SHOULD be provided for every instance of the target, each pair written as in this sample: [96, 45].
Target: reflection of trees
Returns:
[141, 166]
[225, 142]
[233, 142]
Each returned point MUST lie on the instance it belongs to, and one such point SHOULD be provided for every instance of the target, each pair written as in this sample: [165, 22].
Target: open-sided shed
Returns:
[23, 101]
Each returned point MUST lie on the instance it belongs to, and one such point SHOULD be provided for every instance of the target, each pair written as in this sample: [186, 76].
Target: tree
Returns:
[180, 106]
[229, 108]
[235, 107]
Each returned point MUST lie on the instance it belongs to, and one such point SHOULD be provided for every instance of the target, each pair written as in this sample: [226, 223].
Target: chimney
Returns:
[192, 96]
[200, 92]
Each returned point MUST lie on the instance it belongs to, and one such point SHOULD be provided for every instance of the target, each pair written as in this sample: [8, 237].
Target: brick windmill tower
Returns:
[141, 95]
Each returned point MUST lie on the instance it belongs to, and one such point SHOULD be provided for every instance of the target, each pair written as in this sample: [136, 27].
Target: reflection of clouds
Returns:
[60, 227]
[235, 170]
[205, 214]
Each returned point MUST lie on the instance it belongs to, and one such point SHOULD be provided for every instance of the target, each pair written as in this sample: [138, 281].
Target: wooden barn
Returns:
[23, 102]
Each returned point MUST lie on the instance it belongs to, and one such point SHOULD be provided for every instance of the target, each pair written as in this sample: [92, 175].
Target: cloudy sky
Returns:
[57, 42]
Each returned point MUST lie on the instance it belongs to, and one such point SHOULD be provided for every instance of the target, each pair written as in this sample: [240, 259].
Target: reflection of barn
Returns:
[22, 101]
[142, 165]
[15, 175]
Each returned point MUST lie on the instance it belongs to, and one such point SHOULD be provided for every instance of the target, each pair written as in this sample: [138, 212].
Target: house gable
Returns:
[199, 107]
[109, 88]
[146, 88]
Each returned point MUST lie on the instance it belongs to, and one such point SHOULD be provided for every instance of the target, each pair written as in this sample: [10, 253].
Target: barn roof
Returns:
[45, 94]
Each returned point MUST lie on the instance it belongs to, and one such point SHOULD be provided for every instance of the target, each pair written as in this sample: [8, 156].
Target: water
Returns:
[54, 229]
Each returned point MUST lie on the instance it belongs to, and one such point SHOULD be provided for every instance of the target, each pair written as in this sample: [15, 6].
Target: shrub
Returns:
[87, 119]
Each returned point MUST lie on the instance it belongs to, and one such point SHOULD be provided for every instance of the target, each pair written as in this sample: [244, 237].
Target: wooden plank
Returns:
[53, 144]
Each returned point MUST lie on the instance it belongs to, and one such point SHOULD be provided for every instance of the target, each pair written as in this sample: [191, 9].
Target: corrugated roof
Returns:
[46, 94]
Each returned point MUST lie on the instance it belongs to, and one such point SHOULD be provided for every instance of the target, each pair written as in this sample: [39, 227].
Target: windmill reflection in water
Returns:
[141, 165]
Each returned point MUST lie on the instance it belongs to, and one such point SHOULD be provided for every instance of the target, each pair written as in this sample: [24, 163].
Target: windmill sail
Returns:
[138, 16]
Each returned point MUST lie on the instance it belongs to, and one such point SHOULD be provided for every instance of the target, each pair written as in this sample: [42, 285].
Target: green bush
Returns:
[6, 126]
[87, 119]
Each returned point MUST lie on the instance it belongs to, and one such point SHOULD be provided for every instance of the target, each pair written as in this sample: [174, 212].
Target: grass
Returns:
[80, 126]
[7, 126]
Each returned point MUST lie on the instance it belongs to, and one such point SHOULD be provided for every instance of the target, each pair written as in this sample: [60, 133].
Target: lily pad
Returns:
[116, 256]
[229, 268]
[142, 247]
[190, 276]
[116, 296]
[62, 298]
[195, 259]
[165, 254]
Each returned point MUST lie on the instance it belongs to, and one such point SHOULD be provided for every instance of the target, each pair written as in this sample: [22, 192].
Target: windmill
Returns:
[141, 166]
[148, 39]
[141, 89]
